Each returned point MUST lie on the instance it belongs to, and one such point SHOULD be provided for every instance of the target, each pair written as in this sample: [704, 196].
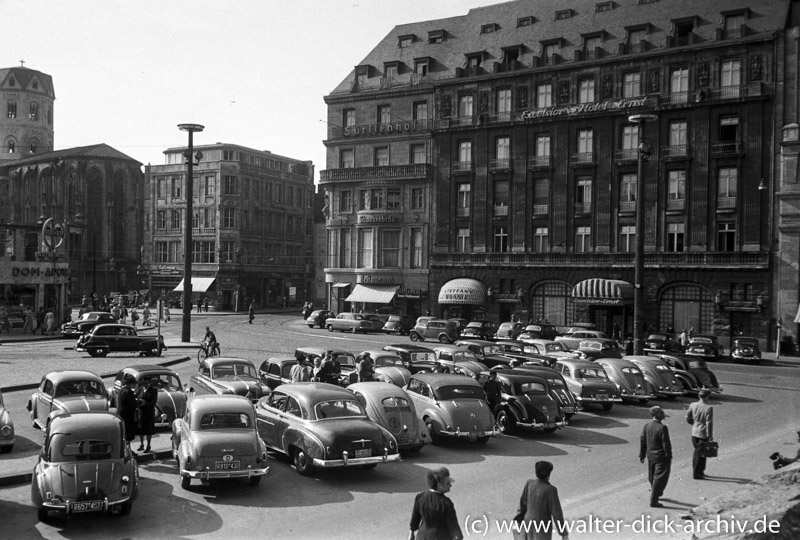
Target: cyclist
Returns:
[210, 341]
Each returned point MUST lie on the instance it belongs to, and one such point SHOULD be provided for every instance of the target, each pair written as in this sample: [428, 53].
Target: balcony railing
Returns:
[677, 150]
[674, 98]
[461, 166]
[676, 204]
[462, 121]
[726, 147]
[583, 158]
[500, 210]
[499, 164]
[627, 154]
[462, 212]
[541, 209]
[627, 206]
[540, 161]
[417, 170]
[726, 202]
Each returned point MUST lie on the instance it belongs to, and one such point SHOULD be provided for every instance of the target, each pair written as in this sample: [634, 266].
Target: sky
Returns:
[253, 72]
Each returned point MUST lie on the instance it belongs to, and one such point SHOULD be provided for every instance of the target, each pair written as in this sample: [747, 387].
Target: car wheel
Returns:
[414, 336]
[569, 415]
[255, 480]
[186, 481]
[435, 437]
[42, 514]
[505, 422]
[126, 507]
[330, 328]
[607, 406]
[302, 463]
[354, 330]
[311, 326]
[6, 449]
[444, 339]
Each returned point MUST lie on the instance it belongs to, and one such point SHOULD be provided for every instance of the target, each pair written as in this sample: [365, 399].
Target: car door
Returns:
[202, 379]
[44, 400]
[268, 418]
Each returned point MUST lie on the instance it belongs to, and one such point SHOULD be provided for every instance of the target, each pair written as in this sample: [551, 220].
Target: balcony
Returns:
[675, 151]
[500, 210]
[499, 164]
[627, 154]
[676, 204]
[541, 209]
[627, 206]
[674, 98]
[726, 203]
[726, 147]
[582, 158]
[540, 161]
[462, 212]
[463, 121]
[500, 117]
[583, 208]
[732, 33]
[461, 167]
[416, 171]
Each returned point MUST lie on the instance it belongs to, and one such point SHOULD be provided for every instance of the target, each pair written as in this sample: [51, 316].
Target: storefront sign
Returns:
[376, 280]
[598, 301]
[584, 108]
[457, 296]
[383, 129]
[378, 218]
[403, 292]
[53, 233]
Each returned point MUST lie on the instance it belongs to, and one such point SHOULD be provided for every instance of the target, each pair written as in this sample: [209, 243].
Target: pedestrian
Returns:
[148, 397]
[683, 339]
[434, 515]
[540, 507]
[134, 316]
[492, 389]
[205, 304]
[116, 312]
[617, 333]
[251, 312]
[127, 406]
[779, 461]
[316, 370]
[40, 320]
[146, 316]
[300, 371]
[123, 315]
[49, 323]
[671, 331]
[166, 314]
[366, 371]
[655, 445]
[5, 323]
[701, 418]
[199, 305]
[325, 373]
[30, 321]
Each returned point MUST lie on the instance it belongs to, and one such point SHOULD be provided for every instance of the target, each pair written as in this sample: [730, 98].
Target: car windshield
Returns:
[459, 392]
[658, 336]
[383, 361]
[166, 381]
[338, 408]
[464, 356]
[697, 364]
[80, 388]
[394, 318]
[746, 343]
[230, 371]
[662, 367]
[590, 373]
[529, 388]
[557, 383]
[225, 420]
[422, 357]
[701, 341]
[493, 349]
[345, 359]
[66, 447]
[474, 325]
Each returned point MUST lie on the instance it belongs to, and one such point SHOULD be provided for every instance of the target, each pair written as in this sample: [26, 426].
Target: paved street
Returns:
[596, 466]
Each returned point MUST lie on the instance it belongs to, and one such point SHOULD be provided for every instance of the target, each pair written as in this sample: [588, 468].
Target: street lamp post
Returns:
[638, 297]
[186, 327]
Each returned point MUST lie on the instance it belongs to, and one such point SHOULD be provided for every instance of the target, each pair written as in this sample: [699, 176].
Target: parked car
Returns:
[705, 346]
[508, 330]
[488, 353]
[319, 425]
[660, 378]
[589, 383]
[277, 371]
[85, 465]
[217, 438]
[746, 350]
[349, 322]
[389, 367]
[390, 407]
[424, 318]
[523, 352]
[459, 323]
[692, 372]
[592, 349]
[416, 358]
[318, 318]
[227, 375]
[629, 378]
[108, 338]
[572, 340]
[661, 342]
[66, 392]
[86, 322]
[7, 438]
[451, 406]
[558, 387]
[459, 360]
[479, 330]
[552, 349]
[347, 361]
[525, 402]
[539, 331]
[402, 324]
[171, 399]
[437, 329]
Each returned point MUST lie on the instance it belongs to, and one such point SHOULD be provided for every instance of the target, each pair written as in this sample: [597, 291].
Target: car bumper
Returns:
[672, 393]
[66, 506]
[592, 399]
[542, 425]
[569, 409]
[468, 434]
[637, 397]
[208, 474]
[745, 359]
[347, 461]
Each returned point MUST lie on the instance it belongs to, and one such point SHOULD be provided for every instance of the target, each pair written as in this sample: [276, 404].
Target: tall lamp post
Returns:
[186, 327]
[638, 294]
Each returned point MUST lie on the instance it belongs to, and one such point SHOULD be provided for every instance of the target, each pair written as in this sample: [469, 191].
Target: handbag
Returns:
[708, 449]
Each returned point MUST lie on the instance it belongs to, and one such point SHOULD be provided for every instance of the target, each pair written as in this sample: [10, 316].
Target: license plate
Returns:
[366, 452]
[227, 465]
[404, 439]
[88, 506]
[601, 397]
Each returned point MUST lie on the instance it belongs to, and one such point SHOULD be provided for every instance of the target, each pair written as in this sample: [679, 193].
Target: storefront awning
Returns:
[373, 294]
[603, 292]
[199, 284]
[463, 291]
[797, 317]
[340, 285]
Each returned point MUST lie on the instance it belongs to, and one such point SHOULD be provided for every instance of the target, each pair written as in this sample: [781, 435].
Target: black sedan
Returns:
[705, 346]
[525, 401]
[659, 343]
[692, 372]
[85, 323]
[108, 338]
[318, 318]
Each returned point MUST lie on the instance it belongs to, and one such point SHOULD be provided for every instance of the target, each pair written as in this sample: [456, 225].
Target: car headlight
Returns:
[6, 431]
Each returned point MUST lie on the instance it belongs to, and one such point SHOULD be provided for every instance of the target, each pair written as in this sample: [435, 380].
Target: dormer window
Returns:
[551, 51]
[421, 66]
[592, 45]
[362, 74]
[12, 81]
[604, 6]
[735, 23]
[683, 31]
[405, 41]
[637, 38]
[511, 54]
[525, 21]
[563, 14]
[435, 36]
[391, 70]
[488, 28]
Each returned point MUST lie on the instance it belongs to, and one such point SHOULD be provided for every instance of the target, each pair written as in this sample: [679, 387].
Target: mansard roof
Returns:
[24, 78]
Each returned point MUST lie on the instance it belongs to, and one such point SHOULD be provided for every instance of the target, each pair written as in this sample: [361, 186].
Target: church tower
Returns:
[26, 112]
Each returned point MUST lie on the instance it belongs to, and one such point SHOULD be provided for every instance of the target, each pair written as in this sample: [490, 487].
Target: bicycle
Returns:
[205, 352]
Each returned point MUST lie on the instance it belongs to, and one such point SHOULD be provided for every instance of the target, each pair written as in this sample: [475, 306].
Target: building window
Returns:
[583, 239]
[417, 198]
[473, 63]
[544, 95]
[462, 241]
[632, 84]
[175, 219]
[637, 39]
[463, 200]
[11, 110]
[678, 137]
[12, 147]
[420, 110]
[421, 67]
[734, 25]
[346, 158]
[604, 6]
[343, 251]
[585, 145]
[384, 114]
[504, 104]
[203, 252]
[563, 14]
[208, 186]
[209, 218]
[501, 198]
[541, 196]
[365, 248]
[33, 111]
[196, 219]
[586, 91]
[465, 152]
[161, 219]
[730, 73]
[679, 85]
[465, 103]
[550, 52]
[501, 239]
[524, 21]
[376, 199]
[502, 152]
[726, 236]
[418, 154]
[346, 201]
[405, 41]
[162, 255]
[726, 187]
[175, 187]
[390, 71]
[541, 157]
[675, 232]
[393, 198]
[390, 249]
[541, 240]
[627, 193]
[488, 28]
[349, 117]
[676, 190]
[435, 36]
[627, 238]
[363, 199]
[229, 217]
[230, 185]
[630, 141]
[227, 251]
[583, 195]
[416, 248]
[381, 156]
[591, 46]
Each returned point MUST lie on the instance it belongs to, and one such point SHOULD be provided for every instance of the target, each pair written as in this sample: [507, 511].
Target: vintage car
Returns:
[319, 425]
[217, 438]
[629, 378]
[451, 406]
[437, 329]
[572, 340]
[7, 438]
[705, 346]
[660, 379]
[592, 349]
[661, 343]
[391, 407]
[277, 371]
[106, 338]
[523, 352]
[416, 358]
[525, 401]
[589, 383]
[558, 387]
[319, 317]
[508, 330]
[389, 367]
[458, 360]
[347, 361]
[488, 353]
[349, 322]
[227, 375]
[745, 350]
[402, 324]
[479, 330]
[171, 401]
[460, 324]
[539, 331]
[66, 391]
[86, 322]
[552, 349]
[692, 373]
[85, 465]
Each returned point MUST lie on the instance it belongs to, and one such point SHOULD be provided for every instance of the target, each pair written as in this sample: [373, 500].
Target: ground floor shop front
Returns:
[34, 285]
[405, 294]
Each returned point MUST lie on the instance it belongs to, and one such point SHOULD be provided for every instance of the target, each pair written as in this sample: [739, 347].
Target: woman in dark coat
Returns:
[148, 397]
[434, 516]
[126, 406]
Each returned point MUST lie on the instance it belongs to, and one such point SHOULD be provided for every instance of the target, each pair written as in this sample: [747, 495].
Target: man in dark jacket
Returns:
[657, 448]
[492, 388]
[540, 506]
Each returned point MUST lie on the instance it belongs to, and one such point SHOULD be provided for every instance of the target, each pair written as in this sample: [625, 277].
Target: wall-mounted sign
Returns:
[378, 218]
[583, 108]
[599, 301]
[53, 233]
[376, 280]
[383, 129]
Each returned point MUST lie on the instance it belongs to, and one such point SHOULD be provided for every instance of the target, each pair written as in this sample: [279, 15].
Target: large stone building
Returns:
[26, 125]
[527, 164]
[252, 227]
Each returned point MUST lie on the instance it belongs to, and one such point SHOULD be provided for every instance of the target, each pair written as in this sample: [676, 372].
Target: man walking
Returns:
[657, 448]
[251, 313]
[701, 417]
[493, 390]
[540, 507]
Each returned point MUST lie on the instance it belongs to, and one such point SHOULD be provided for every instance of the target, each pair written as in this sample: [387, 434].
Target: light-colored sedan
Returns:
[391, 407]
[350, 322]
[7, 438]
[572, 340]
[629, 378]
[227, 375]
[66, 391]
[589, 383]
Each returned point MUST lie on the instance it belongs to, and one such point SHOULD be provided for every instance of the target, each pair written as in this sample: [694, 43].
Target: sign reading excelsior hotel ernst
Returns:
[598, 106]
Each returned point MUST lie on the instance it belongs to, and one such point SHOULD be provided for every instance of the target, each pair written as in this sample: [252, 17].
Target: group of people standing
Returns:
[137, 408]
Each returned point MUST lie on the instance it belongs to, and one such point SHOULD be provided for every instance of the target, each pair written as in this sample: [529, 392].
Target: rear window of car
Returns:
[64, 448]
[79, 388]
[166, 382]
[697, 364]
[459, 392]
[395, 404]
[234, 370]
[422, 357]
[225, 420]
[338, 408]
[586, 373]
[388, 361]
[529, 388]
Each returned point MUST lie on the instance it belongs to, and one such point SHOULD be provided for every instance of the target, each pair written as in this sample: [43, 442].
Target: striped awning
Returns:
[604, 292]
[463, 291]
[373, 294]
[199, 284]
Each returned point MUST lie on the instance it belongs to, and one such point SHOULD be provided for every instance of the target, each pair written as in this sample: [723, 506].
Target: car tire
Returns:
[505, 422]
[330, 328]
[6, 449]
[644, 401]
[255, 480]
[302, 463]
[435, 437]
[414, 336]
[42, 514]
[95, 352]
[311, 326]
[607, 406]
[126, 507]
[186, 481]
[444, 339]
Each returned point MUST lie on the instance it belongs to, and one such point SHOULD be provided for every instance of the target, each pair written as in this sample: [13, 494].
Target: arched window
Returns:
[33, 111]
[11, 109]
[551, 301]
[686, 306]
[12, 147]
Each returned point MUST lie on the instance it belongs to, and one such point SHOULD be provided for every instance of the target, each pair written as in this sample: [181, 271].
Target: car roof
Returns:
[436, 380]
[577, 363]
[95, 424]
[147, 369]
[378, 390]
[645, 359]
[72, 375]
[281, 361]
[205, 403]
[212, 361]
[481, 342]
[615, 362]
[375, 353]
[515, 376]
[106, 325]
[320, 351]
[310, 393]
[408, 347]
